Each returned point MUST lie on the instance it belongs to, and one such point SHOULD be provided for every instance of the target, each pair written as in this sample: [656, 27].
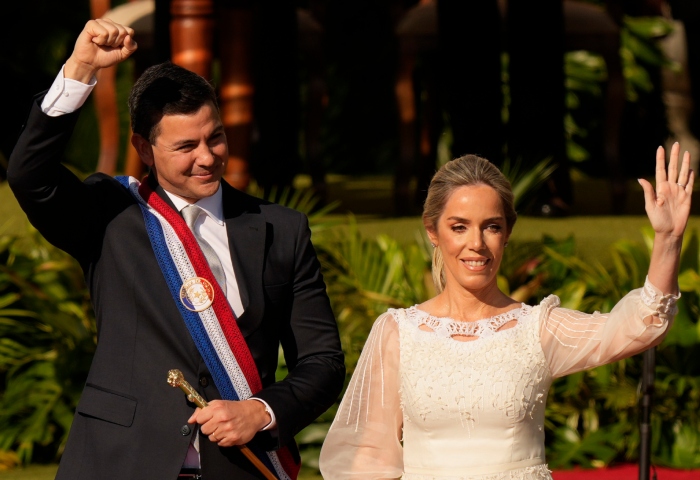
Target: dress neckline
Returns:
[484, 327]
[508, 313]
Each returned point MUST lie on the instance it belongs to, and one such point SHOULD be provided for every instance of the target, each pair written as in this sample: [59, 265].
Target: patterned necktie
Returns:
[190, 213]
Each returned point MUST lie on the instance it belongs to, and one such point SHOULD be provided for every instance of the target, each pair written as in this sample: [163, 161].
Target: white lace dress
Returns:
[424, 405]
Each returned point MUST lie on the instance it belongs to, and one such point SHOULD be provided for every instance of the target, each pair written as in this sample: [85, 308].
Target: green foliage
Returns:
[586, 73]
[47, 338]
[592, 416]
[302, 200]
[8, 460]
[365, 277]
[572, 448]
[526, 180]
[640, 51]
[601, 404]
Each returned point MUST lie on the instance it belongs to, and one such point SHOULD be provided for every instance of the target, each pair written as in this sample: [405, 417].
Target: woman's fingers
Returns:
[691, 180]
[673, 163]
[685, 170]
[649, 194]
[660, 165]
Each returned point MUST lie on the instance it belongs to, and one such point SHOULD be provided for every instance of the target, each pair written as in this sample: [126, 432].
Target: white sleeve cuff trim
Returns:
[663, 305]
[66, 95]
[273, 421]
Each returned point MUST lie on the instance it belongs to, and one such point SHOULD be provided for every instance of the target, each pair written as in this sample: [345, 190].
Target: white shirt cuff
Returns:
[273, 421]
[66, 95]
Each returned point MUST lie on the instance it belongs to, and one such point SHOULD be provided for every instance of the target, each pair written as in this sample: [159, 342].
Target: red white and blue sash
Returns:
[214, 329]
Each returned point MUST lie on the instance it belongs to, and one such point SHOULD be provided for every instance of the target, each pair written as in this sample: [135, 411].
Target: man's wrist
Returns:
[79, 71]
[269, 416]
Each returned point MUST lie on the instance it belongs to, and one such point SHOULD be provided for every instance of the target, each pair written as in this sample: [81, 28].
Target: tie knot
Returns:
[191, 213]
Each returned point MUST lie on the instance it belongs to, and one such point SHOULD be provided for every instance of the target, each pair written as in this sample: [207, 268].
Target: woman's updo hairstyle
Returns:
[461, 172]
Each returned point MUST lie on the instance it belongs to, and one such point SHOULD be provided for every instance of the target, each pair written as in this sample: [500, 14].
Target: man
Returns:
[255, 274]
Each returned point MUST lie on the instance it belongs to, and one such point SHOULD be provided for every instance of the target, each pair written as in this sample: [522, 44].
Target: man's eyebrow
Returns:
[183, 142]
[187, 141]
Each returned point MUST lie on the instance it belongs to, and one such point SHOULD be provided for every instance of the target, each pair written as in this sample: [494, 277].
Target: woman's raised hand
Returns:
[668, 207]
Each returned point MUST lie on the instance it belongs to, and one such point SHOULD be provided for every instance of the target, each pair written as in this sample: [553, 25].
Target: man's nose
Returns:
[205, 155]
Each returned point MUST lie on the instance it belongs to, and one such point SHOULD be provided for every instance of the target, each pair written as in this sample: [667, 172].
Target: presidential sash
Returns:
[205, 310]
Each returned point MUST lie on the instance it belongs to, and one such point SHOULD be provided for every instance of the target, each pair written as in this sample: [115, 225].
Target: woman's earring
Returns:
[505, 244]
[433, 245]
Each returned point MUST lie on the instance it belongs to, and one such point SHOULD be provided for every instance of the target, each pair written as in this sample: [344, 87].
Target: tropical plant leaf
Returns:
[686, 448]
[526, 181]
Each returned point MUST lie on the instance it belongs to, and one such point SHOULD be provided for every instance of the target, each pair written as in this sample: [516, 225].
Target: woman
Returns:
[456, 387]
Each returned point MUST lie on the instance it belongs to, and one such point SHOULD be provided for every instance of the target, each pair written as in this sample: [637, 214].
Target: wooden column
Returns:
[404, 90]
[236, 93]
[105, 95]
[418, 117]
[191, 33]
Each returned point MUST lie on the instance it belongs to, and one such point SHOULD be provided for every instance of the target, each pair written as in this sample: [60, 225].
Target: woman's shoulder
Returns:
[550, 301]
[397, 315]
[546, 305]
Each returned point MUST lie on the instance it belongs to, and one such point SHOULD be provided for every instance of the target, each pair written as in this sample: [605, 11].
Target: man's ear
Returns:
[143, 148]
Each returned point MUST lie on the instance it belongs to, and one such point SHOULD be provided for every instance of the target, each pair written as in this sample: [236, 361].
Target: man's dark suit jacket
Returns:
[129, 422]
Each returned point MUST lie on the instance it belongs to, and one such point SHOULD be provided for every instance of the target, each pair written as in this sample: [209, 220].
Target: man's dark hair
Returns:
[166, 89]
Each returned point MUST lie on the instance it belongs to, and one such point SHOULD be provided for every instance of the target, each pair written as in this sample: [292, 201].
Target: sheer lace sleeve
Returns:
[364, 441]
[573, 341]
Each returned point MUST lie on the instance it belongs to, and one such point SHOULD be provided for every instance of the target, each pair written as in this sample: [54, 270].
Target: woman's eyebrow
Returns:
[464, 220]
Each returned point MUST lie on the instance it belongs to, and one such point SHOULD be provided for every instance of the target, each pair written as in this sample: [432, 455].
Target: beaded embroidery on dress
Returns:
[468, 405]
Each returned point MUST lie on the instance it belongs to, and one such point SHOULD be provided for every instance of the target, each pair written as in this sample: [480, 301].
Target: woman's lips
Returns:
[476, 265]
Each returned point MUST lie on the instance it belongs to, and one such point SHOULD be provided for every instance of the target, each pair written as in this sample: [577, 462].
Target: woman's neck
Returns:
[469, 305]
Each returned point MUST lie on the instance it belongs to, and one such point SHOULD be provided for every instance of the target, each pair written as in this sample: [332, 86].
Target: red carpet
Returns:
[624, 472]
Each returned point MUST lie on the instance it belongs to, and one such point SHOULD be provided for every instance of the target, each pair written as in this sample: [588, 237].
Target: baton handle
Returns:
[177, 379]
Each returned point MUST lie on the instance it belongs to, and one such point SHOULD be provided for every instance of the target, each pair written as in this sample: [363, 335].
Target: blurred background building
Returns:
[312, 91]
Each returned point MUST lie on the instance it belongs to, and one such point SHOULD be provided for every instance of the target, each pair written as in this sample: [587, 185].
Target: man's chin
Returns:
[206, 191]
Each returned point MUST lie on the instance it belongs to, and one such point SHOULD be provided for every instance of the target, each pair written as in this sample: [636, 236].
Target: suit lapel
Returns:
[246, 230]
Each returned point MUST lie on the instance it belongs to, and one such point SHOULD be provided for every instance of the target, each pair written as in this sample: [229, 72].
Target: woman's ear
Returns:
[143, 148]
[432, 236]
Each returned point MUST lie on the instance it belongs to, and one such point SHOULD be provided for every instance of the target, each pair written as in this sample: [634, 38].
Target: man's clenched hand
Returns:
[101, 44]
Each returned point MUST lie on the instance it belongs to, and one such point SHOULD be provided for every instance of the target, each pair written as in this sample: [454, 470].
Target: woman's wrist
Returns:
[668, 241]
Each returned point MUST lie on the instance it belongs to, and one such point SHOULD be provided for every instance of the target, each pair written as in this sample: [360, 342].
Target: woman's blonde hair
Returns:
[460, 172]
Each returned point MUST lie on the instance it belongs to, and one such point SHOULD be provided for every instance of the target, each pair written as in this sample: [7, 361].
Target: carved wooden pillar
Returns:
[236, 92]
[406, 103]
[106, 105]
[191, 33]
[416, 32]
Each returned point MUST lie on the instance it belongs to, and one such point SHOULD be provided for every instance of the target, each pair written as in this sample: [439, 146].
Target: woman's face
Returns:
[471, 234]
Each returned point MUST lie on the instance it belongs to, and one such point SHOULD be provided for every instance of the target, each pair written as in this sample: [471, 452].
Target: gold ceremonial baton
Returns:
[177, 379]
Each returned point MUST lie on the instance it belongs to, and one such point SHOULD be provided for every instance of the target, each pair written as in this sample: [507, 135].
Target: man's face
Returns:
[189, 155]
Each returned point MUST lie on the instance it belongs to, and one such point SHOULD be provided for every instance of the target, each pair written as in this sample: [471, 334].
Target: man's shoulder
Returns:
[102, 181]
[250, 204]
